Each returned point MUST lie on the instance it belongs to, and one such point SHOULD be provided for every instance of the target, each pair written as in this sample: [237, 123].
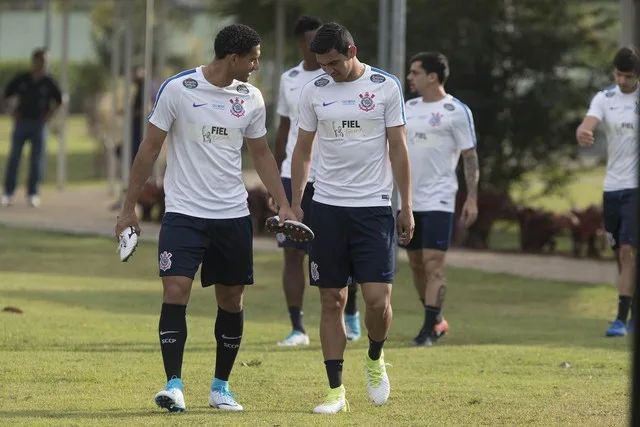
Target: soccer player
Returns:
[293, 280]
[207, 112]
[439, 128]
[291, 83]
[354, 109]
[617, 108]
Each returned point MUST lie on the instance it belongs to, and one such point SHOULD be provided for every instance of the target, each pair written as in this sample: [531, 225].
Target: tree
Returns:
[103, 28]
[524, 67]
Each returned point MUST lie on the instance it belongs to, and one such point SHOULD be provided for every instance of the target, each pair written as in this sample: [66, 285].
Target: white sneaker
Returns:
[334, 402]
[378, 384]
[6, 200]
[295, 338]
[171, 397]
[223, 399]
[127, 244]
[34, 201]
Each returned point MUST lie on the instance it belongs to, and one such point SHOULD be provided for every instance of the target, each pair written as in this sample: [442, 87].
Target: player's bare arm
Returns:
[300, 166]
[399, 157]
[140, 172]
[281, 140]
[584, 133]
[267, 169]
[472, 176]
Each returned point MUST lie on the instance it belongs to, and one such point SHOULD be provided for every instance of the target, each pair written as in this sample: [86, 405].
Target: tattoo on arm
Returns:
[442, 292]
[471, 171]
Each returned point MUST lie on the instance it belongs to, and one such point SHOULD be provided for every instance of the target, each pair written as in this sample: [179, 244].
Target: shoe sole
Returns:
[226, 407]
[281, 344]
[165, 402]
[293, 230]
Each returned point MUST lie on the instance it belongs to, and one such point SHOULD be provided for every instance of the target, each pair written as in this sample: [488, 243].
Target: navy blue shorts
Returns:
[357, 243]
[620, 217]
[433, 231]
[224, 247]
[306, 208]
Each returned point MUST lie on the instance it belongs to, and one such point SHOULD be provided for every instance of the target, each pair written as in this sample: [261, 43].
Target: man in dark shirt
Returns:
[38, 97]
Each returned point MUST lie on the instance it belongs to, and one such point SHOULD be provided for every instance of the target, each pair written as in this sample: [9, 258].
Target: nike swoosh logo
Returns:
[198, 105]
[324, 104]
[224, 337]
[168, 332]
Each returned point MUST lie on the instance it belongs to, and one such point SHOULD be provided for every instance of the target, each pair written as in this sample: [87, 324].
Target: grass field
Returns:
[85, 350]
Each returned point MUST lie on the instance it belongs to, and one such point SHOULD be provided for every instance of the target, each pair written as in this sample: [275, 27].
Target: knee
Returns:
[415, 263]
[627, 255]
[293, 258]
[230, 298]
[332, 299]
[379, 301]
[435, 271]
[175, 292]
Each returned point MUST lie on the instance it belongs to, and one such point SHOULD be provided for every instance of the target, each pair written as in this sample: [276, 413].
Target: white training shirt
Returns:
[351, 119]
[206, 127]
[291, 83]
[618, 112]
[436, 134]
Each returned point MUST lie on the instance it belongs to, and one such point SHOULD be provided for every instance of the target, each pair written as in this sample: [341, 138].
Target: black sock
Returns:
[624, 304]
[172, 330]
[431, 315]
[334, 372]
[375, 349]
[295, 314]
[351, 307]
[228, 331]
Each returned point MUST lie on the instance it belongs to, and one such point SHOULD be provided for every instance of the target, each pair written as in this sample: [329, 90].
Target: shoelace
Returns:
[229, 397]
[375, 374]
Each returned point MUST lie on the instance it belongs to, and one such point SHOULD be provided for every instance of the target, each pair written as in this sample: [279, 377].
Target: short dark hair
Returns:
[433, 62]
[38, 53]
[306, 23]
[236, 39]
[627, 60]
[332, 36]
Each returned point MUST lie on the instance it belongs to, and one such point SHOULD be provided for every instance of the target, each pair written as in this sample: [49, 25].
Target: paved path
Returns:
[85, 210]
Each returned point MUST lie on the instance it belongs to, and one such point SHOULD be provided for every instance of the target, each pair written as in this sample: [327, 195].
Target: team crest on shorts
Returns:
[314, 271]
[435, 120]
[366, 101]
[237, 110]
[165, 261]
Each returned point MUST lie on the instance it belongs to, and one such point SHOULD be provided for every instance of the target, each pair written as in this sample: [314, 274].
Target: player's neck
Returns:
[356, 72]
[216, 74]
[433, 94]
[310, 66]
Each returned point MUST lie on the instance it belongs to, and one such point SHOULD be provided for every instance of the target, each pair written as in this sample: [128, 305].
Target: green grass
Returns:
[85, 351]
